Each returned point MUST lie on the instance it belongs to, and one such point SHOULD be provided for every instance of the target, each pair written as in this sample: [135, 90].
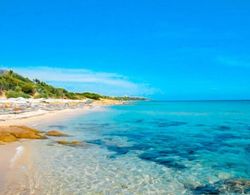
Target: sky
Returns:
[162, 49]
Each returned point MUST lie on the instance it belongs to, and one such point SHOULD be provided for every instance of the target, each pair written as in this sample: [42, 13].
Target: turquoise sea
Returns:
[151, 148]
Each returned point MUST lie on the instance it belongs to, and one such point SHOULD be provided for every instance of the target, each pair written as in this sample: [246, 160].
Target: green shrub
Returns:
[28, 88]
[37, 96]
[72, 96]
[15, 94]
[89, 95]
[15, 85]
[18, 89]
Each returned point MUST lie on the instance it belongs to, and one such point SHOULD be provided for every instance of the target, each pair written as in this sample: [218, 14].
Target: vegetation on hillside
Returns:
[14, 85]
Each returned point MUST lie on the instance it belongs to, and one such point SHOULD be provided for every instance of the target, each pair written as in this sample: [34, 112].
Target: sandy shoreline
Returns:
[66, 108]
[7, 153]
[21, 111]
[15, 156]
[14, 163]
[38, 116]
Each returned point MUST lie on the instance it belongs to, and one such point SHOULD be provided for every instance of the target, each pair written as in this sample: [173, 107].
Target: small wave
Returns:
[18, 154]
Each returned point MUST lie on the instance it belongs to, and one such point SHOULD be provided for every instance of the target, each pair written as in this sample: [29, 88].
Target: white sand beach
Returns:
[22, 111]
[15, 159]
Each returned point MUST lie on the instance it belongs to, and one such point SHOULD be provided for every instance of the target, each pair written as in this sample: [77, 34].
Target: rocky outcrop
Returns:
[70, 143]
[7, 137]
[14, 133]
[56, 133]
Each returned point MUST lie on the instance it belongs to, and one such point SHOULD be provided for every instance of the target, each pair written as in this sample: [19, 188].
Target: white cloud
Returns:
[87, 80]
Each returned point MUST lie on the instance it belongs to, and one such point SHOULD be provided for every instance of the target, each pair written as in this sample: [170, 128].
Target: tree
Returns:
[28, 88]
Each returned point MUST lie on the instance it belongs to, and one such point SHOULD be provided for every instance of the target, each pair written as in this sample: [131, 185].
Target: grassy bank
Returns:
[13, 85]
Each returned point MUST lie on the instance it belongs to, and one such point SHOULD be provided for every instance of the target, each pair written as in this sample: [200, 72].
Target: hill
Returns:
[13, 85]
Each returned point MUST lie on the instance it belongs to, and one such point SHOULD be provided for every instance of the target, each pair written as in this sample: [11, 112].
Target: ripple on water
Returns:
[91, 171]
[151, 152]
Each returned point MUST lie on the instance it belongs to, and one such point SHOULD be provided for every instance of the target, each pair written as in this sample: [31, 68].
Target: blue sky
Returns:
[163, 49]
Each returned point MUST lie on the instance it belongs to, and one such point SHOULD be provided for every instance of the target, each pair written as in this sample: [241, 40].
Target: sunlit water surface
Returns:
[149, 148]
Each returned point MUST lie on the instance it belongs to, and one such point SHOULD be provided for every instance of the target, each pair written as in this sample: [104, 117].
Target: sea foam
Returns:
[18, 154]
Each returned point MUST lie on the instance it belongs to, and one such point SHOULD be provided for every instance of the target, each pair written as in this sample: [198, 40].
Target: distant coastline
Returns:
[13, 85]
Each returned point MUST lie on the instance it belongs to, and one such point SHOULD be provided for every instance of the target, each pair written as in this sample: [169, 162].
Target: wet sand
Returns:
[15, 158]
[14, 161]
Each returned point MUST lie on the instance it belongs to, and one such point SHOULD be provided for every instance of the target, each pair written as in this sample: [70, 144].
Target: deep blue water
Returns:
[181, 147]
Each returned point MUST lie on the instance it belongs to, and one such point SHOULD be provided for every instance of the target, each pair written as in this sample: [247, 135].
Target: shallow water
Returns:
[150, 148]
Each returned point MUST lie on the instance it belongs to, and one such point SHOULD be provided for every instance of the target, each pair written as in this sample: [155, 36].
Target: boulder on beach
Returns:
[70, 143]
[56, 133]
[14, 133]
[7, 137]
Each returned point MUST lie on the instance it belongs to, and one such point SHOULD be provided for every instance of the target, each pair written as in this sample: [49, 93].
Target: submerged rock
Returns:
[232, 186]
[56, 133]
[14, 133]
[236, 186]
[70, 143]
[205, 190]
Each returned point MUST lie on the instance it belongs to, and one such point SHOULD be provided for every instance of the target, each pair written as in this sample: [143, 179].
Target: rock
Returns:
[26, 132]
[236, 186]
[7, 137]
[70, 143]
[228, 186]
[56, 133]
[205, 190]
[14, 133]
